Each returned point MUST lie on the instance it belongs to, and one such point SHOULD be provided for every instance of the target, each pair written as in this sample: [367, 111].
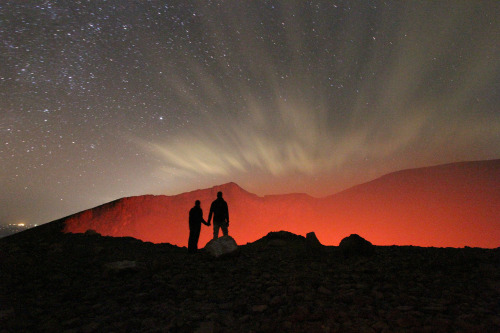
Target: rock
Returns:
[149, 324]
[356, 245]
[265, 289]
[312, 241]
[301, 313]
[259, 308]
[286, 236]
[206, 327]
[380, 326]
[91, 327]
[277, 243]
[221, 246]
[122, 266]
[404, 307]
[51, 325]
[91, 232]
[324, 291]
[226, 306]
[277, 300]
[7, 313]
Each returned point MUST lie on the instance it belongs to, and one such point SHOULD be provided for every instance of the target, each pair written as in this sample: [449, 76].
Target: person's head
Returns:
[197, 203]
[219, 194]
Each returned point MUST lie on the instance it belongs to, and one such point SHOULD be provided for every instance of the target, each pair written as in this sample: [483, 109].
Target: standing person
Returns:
[221, 215]
[195, 221]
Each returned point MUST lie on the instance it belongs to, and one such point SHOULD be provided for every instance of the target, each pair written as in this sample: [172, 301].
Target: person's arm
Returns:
[201, 218]
[210, 215]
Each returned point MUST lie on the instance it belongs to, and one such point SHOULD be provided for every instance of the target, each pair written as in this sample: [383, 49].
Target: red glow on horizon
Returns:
[442, 207]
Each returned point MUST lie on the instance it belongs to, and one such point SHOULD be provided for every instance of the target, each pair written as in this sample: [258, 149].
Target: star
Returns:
[100, 100]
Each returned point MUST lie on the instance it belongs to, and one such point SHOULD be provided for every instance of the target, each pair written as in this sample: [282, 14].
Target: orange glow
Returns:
[441, 206]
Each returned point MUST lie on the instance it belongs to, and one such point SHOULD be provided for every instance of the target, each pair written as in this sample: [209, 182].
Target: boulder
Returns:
[281, 239]
[313, 241]
[285, 235]
[91, 232]
[122, 266]
[356, 245]
[221, 246]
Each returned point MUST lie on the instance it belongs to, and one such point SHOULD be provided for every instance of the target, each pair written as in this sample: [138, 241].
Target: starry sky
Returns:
[105, 99]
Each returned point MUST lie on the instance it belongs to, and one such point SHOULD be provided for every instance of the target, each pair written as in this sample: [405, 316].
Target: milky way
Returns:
[105, 99]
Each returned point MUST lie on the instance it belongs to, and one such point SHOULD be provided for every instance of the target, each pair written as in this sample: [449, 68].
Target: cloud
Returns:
[290, 140]
[292, 112]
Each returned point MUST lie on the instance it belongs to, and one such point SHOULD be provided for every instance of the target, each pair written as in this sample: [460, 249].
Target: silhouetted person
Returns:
[195, 221]
[221, 215]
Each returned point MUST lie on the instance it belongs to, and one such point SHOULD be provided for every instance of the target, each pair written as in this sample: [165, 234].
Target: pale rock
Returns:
[221, 246]
[124, 265]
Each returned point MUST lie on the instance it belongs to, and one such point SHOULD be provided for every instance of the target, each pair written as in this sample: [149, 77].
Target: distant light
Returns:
[20, 224]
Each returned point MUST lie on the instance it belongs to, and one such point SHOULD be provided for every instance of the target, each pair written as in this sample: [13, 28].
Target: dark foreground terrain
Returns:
[56, 282]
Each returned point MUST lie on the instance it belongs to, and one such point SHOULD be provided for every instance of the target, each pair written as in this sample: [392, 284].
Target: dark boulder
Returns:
[279, 239]
[356, 245]
[92, 232]
[312, 241]
[283, 235]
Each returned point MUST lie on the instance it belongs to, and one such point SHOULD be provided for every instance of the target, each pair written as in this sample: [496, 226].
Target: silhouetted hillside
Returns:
[61, 282]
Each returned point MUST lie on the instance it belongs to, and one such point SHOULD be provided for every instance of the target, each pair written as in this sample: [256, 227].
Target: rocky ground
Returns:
[56, 282]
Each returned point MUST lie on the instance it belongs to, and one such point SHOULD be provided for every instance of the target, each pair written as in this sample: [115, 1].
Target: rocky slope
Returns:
[449, 205]
[56, 282]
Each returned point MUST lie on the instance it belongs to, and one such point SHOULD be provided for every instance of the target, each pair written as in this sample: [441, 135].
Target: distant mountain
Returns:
[448, 205]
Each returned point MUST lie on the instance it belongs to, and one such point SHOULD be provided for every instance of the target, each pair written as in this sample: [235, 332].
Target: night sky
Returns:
[105, 99]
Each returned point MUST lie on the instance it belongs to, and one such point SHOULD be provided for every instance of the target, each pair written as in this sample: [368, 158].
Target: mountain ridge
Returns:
[494, 163]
